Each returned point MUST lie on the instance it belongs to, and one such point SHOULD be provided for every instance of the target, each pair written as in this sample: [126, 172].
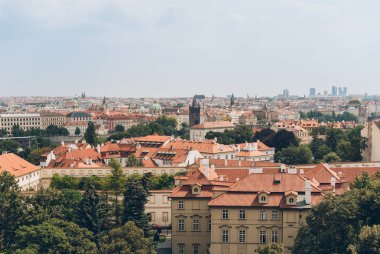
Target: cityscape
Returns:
[165, 127]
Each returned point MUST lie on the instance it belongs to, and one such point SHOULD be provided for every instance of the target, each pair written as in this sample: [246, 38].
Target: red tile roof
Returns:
[15, 165]
[214, 125]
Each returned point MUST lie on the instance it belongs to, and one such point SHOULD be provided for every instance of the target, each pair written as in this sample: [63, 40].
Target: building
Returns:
[25, 121]
[159, 208]
[261, 209]
[208, 148]
[256, 151]
[191, 217]
[371, 131]
[334, 91]
[235, 210]
[78, 116]
[312, 92]
[199, 131]
[72, 127]
[27, 175]
[194, 113]
[285, 93]
[52, 118]
[155, 109]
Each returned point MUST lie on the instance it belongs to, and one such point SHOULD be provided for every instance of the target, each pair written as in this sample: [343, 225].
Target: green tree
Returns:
[45, 205]
[3, 133]
[90, 134]
[34, 156]
[116, 184]
[265, 136]
[294, 155]
[271, 248]
[77, 131]
[283, 139]
[17, 131]
[93, 212]
[64, 182]
[344, 150]
[135, 198]
[119, 128]
[133, 161]
[128, 239]
[369, 241]
[334, 225]
[331, 157]
[12, 207]
[8, 146]
[54, 236]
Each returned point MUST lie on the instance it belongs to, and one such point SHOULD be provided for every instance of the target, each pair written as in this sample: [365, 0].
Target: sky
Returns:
[173, 48]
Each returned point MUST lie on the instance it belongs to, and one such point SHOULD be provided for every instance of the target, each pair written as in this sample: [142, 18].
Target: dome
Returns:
[155, 106]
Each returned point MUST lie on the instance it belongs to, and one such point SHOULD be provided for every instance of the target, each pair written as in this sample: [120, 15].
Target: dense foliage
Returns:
[153, 182]
[66, 221]
[345, 116]
[240, 134]
[164, 125]
[346, 223]
[338, 145]
[51, 130]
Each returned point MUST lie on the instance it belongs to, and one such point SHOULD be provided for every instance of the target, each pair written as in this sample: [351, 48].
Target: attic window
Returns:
[263, 198]
[196, 189]
[291, 200]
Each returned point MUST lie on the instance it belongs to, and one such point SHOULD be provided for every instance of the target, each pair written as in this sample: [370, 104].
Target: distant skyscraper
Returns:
[285, 93]
[340, 91]
[334, 91]
[194, 113]
[344, 91]
[312, 92]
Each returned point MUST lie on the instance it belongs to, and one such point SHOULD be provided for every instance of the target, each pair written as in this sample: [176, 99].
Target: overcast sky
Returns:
[159, 48]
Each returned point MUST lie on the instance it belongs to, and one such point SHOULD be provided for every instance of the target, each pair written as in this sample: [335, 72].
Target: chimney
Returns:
[308, 192]
[62, 143]
[333, 182]
[239, 163]
[98, 148]
[225, 162]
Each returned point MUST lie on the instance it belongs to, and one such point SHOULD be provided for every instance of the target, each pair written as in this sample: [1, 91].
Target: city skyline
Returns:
[169, 49]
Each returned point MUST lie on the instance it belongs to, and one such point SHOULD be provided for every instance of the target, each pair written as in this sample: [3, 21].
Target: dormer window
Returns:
[291, 197]
[196, 189]
[263, 197]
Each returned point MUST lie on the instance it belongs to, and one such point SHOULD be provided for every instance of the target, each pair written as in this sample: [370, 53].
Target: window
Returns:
[209, 225]
[242, 214]
[165, 216]
[263, 236]
[275, 215]
[225, 235]
[181, 204]
[263, 199]
[196, 225]
[181, 225]
[224, 214]
[291, 200]
[181, 248]
[263, 215]
[274, 236]
[242, 236]
[152, 199]
[196, 249]
[165, 199]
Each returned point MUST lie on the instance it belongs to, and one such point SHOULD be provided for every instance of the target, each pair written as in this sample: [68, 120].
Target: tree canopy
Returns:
[339, 224]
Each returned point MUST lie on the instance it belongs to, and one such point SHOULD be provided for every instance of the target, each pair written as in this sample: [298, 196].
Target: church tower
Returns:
[194, 113]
